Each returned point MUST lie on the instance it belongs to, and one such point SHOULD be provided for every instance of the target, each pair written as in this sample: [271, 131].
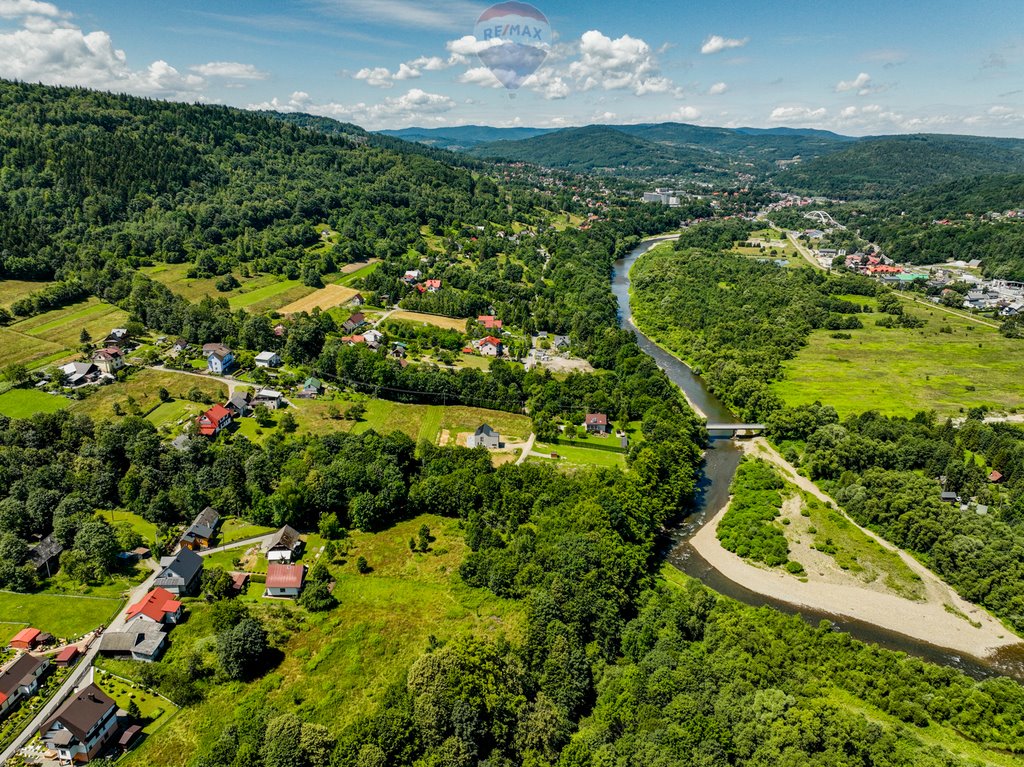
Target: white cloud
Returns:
[437, 14]
[481, 76]
[682, 114]
[717, 89]
[623, 63]
[861, 83]
[717, 44]
[378, 77]
[48, 48]
[15, 9]
[415, 106]
[233, 70]
[797, 114]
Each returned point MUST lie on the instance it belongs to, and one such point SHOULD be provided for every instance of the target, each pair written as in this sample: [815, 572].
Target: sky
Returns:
[858, 67]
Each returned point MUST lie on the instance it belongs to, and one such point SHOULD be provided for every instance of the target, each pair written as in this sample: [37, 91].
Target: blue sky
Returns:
[853, 67]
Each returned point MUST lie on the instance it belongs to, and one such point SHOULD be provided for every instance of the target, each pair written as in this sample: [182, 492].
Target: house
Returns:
[285, 545]
[357, 300]
[561, 343]
[180, 574]
[433, 285]
[284, 580]
[353, 340]
[214, 421]
[489, 346]
[311, 388]
[117, 337]
[200, 532]
[180, 345]
[279, 330]
[45, 555]
[108, 360]
[484, 436]
[413, 275]
[489, 321]
[82, 727]
[77, 373]
[20, 679]
[239, 582]
[353, 322]
[995, 477]
[270, 398]
[268, 360]
[239, 404]
[158, 606]
[373, 338]
[948, 497]
[596, 423]
[180, 442]
[139, 642]
[128, 736]
[26, 639]
[67, 656]
[219, 358]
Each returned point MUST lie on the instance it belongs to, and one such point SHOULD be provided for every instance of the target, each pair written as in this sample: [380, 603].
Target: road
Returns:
[527, 449]
[84, 667]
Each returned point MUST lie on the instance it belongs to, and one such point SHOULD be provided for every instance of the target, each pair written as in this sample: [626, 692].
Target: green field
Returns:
[174, 277]
[54, 335]
[61, 615]
[167, 414]
[271, 296]
[572, 457]
[142, 526]
[154, 711]
[511, 426]
[235, 529]
[143, 386]
[22, 403]
[902, 371]
[338, 665]
[364, 272]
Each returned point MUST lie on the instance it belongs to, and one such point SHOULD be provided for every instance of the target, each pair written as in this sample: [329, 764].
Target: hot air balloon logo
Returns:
[514, 40]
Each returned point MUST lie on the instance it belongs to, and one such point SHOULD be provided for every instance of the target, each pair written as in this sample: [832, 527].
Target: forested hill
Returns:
[86, 176]
[888, 166]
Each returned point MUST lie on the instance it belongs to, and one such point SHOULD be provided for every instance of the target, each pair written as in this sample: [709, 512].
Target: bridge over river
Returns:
[736, 429]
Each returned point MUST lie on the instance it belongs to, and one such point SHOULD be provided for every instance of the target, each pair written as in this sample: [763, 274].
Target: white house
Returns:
[484, 436]
[284, 580]
[219, 358]
[270, 398]
[268, 360]
[489, 346]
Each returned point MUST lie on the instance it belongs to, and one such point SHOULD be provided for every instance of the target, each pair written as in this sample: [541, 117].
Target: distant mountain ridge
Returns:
[797, 159]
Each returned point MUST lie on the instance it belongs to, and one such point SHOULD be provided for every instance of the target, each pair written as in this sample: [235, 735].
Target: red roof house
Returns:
[25, 639]
[596, 423]
[67, 656]
[158, 606]
[995, 477]
[433, 285]
[489, 321]
[214, 420]
[284, 580]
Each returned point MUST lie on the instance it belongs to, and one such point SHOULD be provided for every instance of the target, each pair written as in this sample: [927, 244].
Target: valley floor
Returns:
[941, 617]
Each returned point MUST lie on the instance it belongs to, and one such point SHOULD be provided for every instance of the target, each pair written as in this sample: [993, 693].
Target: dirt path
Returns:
[947, 310]
[933, 620]
[527, 448]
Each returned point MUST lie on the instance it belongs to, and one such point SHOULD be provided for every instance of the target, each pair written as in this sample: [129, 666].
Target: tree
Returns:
[16, 373]
[163, 394]
[84, 338]
[217, 582]
[355, 412]
[282, 742]
[330, 528]
[287, 423]
[317, 597]
[241, 648]
[262, 415]
[133, 710]
[424, 538]
[317, 744]
[362, 565]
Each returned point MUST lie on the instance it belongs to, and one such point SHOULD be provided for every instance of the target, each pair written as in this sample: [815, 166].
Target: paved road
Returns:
[527, 449]
[82, 673]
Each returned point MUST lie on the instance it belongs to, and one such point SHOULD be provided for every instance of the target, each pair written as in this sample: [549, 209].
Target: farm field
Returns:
[167, 414]
[342, 662]
[64, 616]
[174, 277]
[511, 426]
[448, 323]
[359, 270]
[902, 371]
[54, 335]
[14, 290]
[22, 403]
[326, 297]
[143, 386]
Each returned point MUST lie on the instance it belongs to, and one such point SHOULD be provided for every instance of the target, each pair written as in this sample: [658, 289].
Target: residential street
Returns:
[83, 670]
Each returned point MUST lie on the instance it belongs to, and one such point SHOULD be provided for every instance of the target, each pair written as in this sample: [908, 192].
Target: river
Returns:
[722, 458]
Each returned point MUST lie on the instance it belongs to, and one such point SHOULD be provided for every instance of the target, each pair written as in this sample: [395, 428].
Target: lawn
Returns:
[384, 417]
[574, 457]
[361, 271]
[448, 323]
[235, 529]
[174, 277]
[64, 616]
[168, 414]
[337, 665]
[154, 711]
[902, 371]
[325, 298]
[55, 334]
[15, 290]
[143, 386]
[142, 526]
[22, 403]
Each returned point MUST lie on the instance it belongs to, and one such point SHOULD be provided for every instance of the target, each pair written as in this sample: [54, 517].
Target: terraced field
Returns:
[54, 335]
